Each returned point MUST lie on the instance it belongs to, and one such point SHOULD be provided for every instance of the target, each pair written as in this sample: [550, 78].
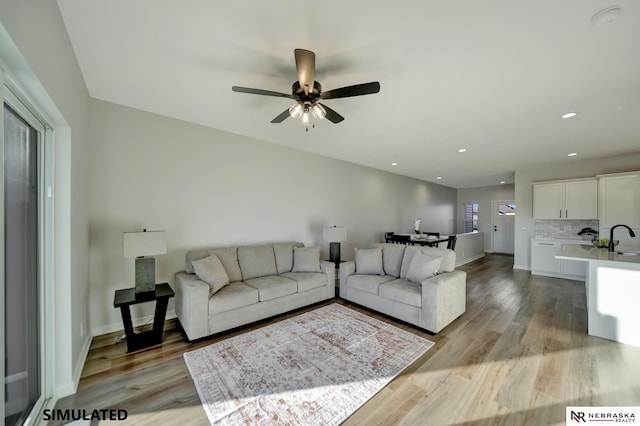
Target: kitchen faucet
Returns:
[611, 245]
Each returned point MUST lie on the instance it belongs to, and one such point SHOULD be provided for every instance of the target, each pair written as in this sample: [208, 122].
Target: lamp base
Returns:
[334, 253]
[145, 274]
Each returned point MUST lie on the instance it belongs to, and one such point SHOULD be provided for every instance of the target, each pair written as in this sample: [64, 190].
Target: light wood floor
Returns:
[519, 355]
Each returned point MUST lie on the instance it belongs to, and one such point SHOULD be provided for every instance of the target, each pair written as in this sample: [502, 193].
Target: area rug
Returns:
[316, 368]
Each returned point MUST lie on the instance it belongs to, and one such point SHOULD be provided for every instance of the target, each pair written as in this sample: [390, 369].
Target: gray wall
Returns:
[206, 187]
[484, 196]
[567, 170]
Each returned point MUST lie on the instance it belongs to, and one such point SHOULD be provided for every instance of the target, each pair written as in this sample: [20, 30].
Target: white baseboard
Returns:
[523, 267]
[469, 260]
[71, 387]
[118, 326]
[77, 371]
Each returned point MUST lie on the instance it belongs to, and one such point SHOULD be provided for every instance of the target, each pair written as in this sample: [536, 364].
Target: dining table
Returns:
[428, 240]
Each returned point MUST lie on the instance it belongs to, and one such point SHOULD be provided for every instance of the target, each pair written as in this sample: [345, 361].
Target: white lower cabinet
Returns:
[544, 262]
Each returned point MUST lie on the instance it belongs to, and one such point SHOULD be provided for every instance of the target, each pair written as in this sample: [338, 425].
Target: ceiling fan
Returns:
[307, 93]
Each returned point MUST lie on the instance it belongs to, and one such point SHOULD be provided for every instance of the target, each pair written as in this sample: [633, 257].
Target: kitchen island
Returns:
[613, 291]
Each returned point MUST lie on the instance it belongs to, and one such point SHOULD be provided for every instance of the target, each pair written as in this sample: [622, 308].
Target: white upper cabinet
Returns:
[581, 199]
[548, 200]
[620, 200]
[571, 199]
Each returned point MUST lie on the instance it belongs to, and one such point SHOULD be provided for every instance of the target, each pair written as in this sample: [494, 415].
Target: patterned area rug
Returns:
[317, 368]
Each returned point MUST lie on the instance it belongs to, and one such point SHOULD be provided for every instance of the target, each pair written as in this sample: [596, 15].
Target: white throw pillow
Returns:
[422, 267]
[369, 261]
[211, 271]
[306, 259]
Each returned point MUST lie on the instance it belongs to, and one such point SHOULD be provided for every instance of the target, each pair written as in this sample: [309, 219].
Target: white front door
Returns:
[503, 221]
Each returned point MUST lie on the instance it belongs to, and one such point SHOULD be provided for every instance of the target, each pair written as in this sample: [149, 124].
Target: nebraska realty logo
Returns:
[577, 415]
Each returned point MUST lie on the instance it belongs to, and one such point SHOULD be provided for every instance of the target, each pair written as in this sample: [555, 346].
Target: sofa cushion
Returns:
[368, 283]
[369, 261]
[307, 280]
[273, 286]
[211, 271]
[448, 258]
[229, 258]
[402, 291]
[232, 296]
[422, 267]
[306, 259]
[392, 257]
[284, 256]
[257, 261]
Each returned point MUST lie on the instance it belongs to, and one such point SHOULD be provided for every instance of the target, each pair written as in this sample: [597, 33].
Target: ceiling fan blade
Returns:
[281, 117]
[331, 115]
[355, 90]
[260, 92]
[306, 67]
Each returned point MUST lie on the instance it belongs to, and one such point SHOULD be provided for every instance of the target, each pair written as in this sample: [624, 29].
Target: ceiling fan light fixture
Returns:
[305, 118]
[296, 110]
[318, 111]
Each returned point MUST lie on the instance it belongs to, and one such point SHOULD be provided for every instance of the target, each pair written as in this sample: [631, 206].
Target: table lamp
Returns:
[139, 245]
[334, 235]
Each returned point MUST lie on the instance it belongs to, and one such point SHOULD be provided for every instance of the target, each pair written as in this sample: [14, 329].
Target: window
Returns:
[507, 210]
[470, 217]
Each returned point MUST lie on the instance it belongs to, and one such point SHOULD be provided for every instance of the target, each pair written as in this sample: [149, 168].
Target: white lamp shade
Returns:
[135, 244]
[334, 234]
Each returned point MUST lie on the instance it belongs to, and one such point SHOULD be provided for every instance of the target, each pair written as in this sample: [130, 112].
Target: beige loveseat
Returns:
[429, 293]
[263, 281]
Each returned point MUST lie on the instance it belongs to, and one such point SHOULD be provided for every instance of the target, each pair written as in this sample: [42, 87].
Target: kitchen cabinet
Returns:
[544, 262]
[619, 199]
[570, 199]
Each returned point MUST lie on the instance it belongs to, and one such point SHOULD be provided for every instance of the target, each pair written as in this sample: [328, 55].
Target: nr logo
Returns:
[577, 416]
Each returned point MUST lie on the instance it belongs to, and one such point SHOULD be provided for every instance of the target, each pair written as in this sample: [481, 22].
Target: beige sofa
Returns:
[264, 280]
[417, 293]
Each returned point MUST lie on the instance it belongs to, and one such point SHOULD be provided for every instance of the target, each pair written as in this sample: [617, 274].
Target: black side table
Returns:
[123, 299]
[337, 277]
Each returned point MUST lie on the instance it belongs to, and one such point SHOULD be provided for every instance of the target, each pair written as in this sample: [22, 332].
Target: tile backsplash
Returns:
[563, 229]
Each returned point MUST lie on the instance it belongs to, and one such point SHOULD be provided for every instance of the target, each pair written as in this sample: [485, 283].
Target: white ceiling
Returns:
[489, 76]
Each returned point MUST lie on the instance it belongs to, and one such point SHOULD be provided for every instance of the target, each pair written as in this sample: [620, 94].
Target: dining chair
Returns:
[451, 244]
[401, 239]
[387, 237]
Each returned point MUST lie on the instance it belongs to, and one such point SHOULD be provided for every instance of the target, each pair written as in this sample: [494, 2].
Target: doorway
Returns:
[503, 223]
[22, 291]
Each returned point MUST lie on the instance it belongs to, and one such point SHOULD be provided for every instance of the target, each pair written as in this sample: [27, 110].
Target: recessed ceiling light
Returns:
[502, 182]
[394, 164]
[462, 150]
[605, 16]
[569, 115]
[572, 154]
[438, 177]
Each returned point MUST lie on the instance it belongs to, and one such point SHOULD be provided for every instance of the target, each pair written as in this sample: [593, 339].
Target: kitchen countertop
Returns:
[587, 252]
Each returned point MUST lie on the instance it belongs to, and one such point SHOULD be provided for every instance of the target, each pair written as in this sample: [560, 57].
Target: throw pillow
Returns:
[448, 257]
[211, 271]
[306, 259]
[422, 267]
[369, 261]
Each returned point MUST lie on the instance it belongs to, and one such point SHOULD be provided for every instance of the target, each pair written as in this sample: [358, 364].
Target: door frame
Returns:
[493, 222]
[19, 102]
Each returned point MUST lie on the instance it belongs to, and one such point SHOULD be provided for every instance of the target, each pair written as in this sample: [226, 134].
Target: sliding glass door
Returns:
[22, 294]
